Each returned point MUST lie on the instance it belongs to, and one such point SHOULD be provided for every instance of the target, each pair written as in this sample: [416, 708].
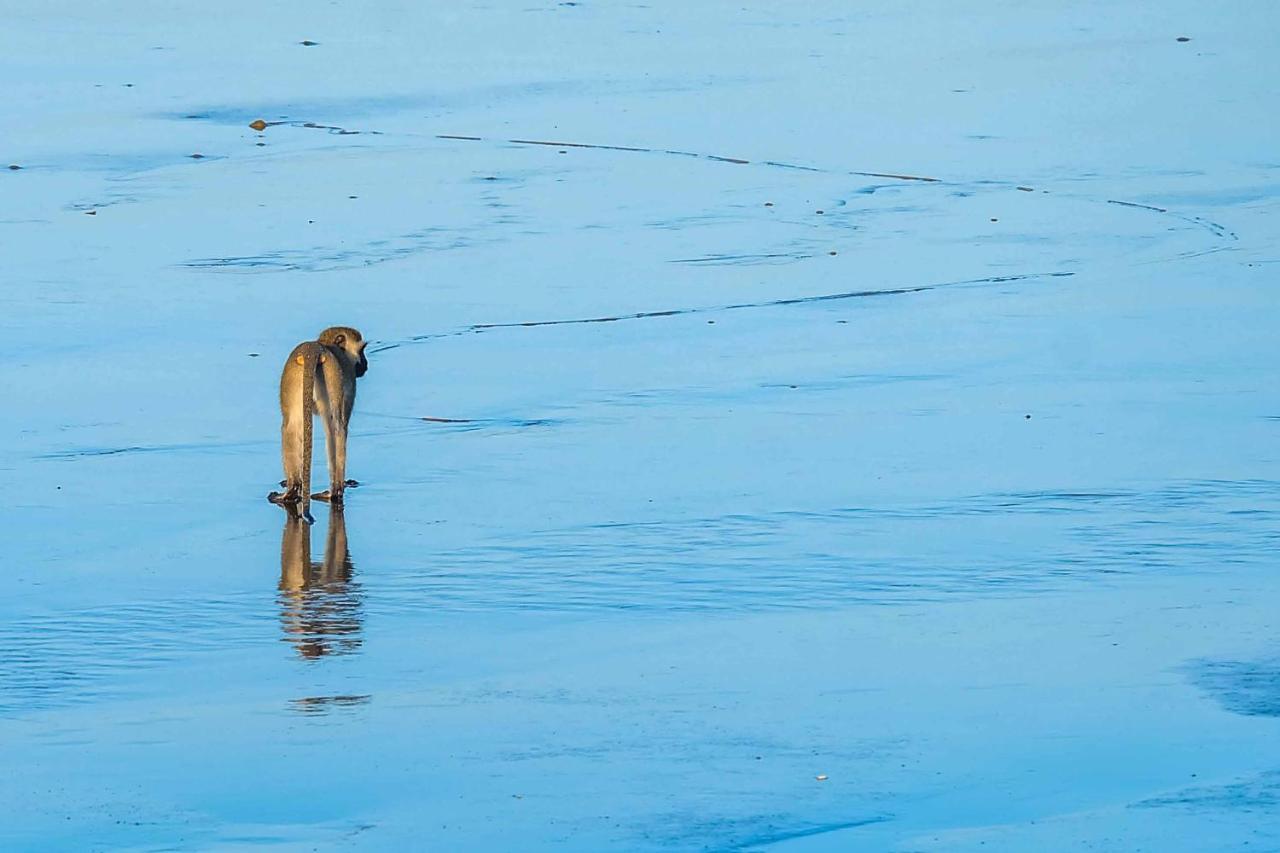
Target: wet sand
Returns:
[785, 429]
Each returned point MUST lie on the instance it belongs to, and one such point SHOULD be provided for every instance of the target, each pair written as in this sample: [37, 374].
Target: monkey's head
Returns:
[349, 339]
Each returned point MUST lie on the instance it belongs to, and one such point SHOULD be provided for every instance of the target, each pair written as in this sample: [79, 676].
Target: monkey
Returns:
[319, 378]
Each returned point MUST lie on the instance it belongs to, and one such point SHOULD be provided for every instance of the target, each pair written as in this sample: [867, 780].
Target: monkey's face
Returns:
[355, 350]
[349, 340]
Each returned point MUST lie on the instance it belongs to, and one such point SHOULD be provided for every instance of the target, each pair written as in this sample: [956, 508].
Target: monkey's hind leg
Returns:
[291, 450]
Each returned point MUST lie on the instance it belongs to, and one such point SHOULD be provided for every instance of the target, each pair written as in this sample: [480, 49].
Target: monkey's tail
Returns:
[310, 359]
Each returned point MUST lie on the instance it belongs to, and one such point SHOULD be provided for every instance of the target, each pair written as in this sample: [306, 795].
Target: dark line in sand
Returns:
[383, 346]
[1135, 204]
[1212, 227]
[574, 145]
[781, 165]
[711, 309]
[778, 836]
[67, 455]
[731, 259]
[221, 446]
[1219, 230]
[890, 175]
[106, 451]
[738, 161]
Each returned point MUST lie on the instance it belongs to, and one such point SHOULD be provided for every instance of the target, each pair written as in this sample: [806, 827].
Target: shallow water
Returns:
[792, 429]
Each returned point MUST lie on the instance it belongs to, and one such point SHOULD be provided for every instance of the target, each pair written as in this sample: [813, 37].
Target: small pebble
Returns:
[1183, 38]
[258, 124]
[768, 204]
[308, 43]
[993, 219]
[196, 156]
[832, 252]
[819, 212]
[13, 167]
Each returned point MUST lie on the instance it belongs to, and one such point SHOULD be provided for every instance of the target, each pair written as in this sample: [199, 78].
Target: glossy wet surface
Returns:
[785, 429]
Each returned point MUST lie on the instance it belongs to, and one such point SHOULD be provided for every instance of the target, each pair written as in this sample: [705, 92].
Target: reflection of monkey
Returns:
[319, 378]
[319, 605]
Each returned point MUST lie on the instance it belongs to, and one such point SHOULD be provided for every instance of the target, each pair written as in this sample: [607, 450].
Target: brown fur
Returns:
[319, 378]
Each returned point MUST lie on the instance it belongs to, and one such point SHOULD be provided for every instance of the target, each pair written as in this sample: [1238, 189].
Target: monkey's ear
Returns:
[339, 340]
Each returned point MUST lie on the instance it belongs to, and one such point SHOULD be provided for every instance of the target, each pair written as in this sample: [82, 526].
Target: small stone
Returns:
[258, 124]
[832, 252]
[13, 167]
[196, 156]
[308, 43]
[993, 219]
[253, 355]
[1183, 39]
[768, 204]
[819, 212]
